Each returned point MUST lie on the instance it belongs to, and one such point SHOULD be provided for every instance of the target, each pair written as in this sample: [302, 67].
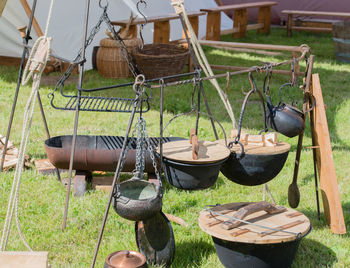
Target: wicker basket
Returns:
[159, 60]
[110, 60]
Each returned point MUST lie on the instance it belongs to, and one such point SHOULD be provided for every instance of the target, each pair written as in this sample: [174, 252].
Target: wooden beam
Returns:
[249, 27]
[213, 26]
[28, 11]
[161, 32]
[239, 68]
[313, 29]
[250, 45]
[262, 52]
[328, 181]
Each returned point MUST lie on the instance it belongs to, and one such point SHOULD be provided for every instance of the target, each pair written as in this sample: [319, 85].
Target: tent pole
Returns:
[19, 81]
[29, 12]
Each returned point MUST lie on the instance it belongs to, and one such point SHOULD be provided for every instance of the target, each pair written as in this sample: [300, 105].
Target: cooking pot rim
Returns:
[165, 160]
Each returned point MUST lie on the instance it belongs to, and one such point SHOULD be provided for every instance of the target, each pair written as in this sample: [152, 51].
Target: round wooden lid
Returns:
[290, 220]
[181, 151]
[279, 148]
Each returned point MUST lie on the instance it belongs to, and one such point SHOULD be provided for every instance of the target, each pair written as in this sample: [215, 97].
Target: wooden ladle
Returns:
[293, 190]
[195, 145]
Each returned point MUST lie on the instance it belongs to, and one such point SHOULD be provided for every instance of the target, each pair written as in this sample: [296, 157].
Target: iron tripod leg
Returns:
[115, 178]
[64, 224]
[46, 128]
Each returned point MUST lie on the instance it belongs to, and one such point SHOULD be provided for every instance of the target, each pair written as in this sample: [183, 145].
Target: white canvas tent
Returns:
[67, 22]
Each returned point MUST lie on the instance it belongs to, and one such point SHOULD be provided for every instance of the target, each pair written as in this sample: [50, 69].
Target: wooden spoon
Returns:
[293, 190]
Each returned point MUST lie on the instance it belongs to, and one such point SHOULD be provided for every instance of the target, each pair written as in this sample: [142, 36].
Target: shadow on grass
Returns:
[197, 251]
[312, 253]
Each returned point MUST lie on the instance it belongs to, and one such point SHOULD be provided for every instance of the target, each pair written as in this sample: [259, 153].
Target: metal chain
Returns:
[140, 147]
[135, 70]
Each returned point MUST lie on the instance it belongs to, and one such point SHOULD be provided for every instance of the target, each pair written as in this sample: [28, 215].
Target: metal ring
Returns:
[103, 6]
[139, 83]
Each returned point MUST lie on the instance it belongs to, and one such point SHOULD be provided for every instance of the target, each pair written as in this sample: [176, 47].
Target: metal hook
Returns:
[144, 17]
[139, 82]
[103, 6]
[252, 82]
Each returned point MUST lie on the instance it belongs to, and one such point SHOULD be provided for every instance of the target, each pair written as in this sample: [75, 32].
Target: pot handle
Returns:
[250, 209]
[281, 87]
[254, 89]
[195, 145]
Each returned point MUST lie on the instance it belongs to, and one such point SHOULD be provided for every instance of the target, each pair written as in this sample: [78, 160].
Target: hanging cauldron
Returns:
[272, 242]
[137, 199]
[125, 259]
[254, 164]
[184, 172]
[155, 239]
[284, 118]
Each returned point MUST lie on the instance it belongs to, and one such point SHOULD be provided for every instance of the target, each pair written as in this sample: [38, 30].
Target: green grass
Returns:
[42, 198]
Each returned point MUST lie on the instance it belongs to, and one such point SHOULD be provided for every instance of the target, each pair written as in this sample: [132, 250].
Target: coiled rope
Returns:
[34, 68]
[202, 60]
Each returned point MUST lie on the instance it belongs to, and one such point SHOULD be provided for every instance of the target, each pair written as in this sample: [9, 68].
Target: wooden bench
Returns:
[240, 19]
[312, 25]
[161, 32]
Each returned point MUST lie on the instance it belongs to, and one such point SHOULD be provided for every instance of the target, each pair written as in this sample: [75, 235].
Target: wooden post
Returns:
[265, 18]
[240, 20]
[289, 25]
[296, 67]
[161, 32]
[328, 181]
[28, 11]
[213, 25]
[194, 23]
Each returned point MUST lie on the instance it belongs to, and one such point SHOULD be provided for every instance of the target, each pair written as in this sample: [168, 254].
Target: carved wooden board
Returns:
[292, 220]
[209, 152]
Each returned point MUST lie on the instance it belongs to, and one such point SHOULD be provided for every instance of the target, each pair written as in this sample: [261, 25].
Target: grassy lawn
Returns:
[42, 198]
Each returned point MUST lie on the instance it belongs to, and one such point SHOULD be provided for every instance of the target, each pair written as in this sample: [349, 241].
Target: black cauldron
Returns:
[253, 169]
[187, 176]
[247, 255]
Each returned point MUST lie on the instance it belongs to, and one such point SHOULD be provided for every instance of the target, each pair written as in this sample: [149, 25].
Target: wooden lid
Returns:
[289, 220]
[279, 148]
[181, 151]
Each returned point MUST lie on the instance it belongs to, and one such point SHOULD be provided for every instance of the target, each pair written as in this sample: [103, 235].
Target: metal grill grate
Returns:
[102, 104]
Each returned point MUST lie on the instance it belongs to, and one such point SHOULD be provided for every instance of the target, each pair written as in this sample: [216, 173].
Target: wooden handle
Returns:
[192, 133]
[195, 147]
[22, 31]
[255, 207]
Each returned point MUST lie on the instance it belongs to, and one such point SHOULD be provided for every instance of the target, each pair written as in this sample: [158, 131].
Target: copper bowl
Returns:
[125, 259]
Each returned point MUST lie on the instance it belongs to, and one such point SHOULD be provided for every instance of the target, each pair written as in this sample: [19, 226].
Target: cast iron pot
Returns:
[247, 255]
[138, 200]
[155, 239]
[284, 118]
[125, 259]
[191, 176]
[252, 169]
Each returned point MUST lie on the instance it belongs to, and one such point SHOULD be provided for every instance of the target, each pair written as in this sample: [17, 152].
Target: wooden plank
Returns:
[15, 259]
[166, 17]
[289, 25]
[296, 68]
[213, 26]
[325, 164]
[44, 166]
[161, 32]
[282, 227]
[240, 21]
[250, 45]
[316, 13]
[239, 6]
[264, 17]
[313, 23]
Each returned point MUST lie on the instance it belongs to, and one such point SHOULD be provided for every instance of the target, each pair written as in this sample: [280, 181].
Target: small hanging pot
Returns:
[284, 118]
[137, 199]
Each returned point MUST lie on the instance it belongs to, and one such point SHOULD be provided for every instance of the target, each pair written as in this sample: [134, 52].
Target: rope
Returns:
[34, 68]
[202, 60]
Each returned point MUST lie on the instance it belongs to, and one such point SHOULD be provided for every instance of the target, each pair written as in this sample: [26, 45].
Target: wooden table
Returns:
[240, 19]
[312, 25]
[161, 32]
